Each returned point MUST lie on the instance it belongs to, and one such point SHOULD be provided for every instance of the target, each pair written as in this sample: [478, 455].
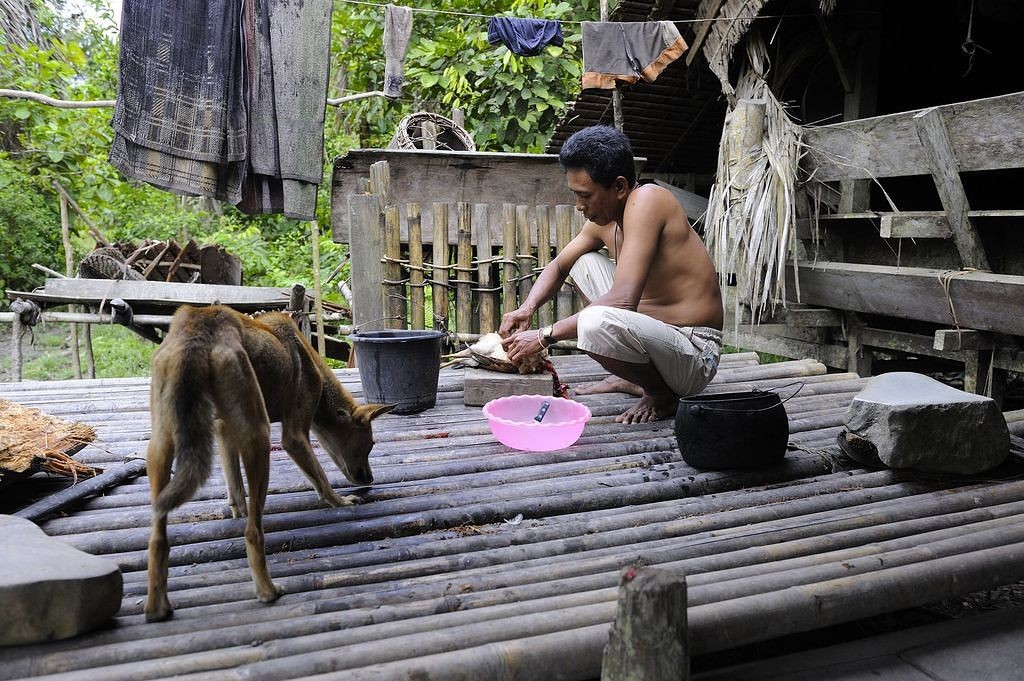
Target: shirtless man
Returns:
[653, 317]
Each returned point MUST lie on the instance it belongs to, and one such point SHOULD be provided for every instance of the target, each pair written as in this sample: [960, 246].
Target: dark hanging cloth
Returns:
[225, 98]
[179, 120]
[526, 37]
[625, 52]
[288, 66]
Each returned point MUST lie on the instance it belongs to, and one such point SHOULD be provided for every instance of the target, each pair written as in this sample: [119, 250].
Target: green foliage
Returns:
[511, 103]
[29, 230]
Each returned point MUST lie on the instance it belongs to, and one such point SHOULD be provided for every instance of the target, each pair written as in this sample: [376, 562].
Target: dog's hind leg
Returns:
[231, 465]
[245, 433]
[158, 469]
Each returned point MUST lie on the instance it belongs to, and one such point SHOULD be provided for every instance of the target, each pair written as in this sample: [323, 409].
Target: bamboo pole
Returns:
[441, 262]
[546, 313]
[93, 229]
[17, 332]
[417, 297]
[463, 270]
[489, 302]
[563, 234]
[318, 293]
[69, 267]
[475, 611]
[509, 288]
[524, 250]
[394, 288]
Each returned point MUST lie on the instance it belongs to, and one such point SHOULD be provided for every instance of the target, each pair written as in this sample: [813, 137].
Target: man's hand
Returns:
[522, 344]
[516, 320]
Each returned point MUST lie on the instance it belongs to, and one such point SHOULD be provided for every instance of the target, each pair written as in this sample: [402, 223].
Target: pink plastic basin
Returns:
[512, 422]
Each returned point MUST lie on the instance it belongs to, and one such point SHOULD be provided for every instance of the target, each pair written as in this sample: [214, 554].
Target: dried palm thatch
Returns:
[32, 441]
[751, 221]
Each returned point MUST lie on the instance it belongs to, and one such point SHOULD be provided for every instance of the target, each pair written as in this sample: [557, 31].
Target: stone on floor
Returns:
[909, 420]
[49, 590]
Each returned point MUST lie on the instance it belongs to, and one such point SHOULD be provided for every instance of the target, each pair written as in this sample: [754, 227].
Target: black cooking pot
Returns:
[732, 430]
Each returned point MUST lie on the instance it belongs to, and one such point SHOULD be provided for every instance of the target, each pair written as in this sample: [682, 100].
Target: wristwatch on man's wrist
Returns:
[548, 334]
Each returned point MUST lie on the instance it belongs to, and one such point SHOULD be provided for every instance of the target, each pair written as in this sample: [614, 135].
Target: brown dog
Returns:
[249, 372]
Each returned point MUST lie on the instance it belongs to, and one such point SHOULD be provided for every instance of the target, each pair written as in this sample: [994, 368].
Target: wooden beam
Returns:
[988, 134]
[815, 317]
[981, 300]
[961, 339]
[907, 224]
[162, 291]
[931, 128]
[917, 225]
[747, 337]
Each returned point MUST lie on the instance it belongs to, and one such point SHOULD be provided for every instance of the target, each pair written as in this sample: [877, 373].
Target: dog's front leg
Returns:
[296, 443]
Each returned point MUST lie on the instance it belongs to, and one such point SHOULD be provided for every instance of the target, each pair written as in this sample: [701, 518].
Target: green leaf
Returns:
[22, 112]
[55, 155]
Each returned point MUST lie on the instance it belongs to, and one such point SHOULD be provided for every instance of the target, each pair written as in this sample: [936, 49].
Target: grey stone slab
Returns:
[980, 647]
[49, 590]
[913, 421]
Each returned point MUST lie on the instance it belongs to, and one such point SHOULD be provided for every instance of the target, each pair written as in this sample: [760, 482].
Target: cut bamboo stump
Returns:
[648, 640]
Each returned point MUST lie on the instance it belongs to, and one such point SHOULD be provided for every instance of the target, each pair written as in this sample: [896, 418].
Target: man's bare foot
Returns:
[649, 409]
[612, 384]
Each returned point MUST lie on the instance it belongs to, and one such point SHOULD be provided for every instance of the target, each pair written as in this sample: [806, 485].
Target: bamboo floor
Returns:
[468, 560]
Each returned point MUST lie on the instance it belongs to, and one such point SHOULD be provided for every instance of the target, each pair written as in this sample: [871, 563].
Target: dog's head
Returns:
[348, 438]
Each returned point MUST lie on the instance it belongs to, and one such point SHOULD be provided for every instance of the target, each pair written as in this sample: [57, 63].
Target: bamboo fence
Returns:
[451, 266]
[472, 561]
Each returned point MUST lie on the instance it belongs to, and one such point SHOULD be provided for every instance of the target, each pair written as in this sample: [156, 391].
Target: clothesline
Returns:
[429, 10]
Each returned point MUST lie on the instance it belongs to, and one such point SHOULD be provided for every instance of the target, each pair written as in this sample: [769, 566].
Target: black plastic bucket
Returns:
[732, 430]
[399, 367]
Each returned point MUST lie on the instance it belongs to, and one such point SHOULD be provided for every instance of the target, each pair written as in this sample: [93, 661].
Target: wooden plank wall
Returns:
[469, 279]
[954, 267]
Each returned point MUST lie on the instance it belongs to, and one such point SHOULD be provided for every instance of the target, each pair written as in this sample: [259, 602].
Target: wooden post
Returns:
[931, 129]
[524, 251]
[393, 288]
[90, 358]
[508, 250]
[429, 135]
[417, 314]
[617, 117]
[17, 331]
[546, 313]
[318, 294]
[440, 269]
[463, 274]
[366, 219]
[380, 183]
[69, 266]
[563, 235]
[858, 356]
[489, 303]
[648, 640]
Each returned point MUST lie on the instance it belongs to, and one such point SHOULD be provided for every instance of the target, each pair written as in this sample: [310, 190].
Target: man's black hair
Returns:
[602, 151]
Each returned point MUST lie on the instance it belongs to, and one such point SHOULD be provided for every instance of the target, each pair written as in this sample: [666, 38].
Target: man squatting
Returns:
[653, 314]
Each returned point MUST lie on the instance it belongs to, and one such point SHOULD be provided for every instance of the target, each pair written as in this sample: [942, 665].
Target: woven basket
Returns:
[450, 137]
[107, 263]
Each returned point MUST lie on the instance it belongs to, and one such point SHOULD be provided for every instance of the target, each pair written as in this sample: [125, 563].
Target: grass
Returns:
[47, 356]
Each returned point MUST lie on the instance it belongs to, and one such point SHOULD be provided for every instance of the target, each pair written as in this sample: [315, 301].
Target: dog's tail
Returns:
[188, 400]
